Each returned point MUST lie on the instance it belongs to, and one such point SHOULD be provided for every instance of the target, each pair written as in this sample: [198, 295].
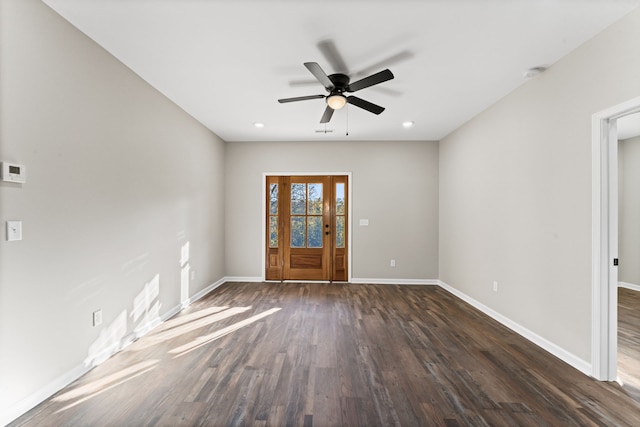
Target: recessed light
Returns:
[407, 124]
[259, 125]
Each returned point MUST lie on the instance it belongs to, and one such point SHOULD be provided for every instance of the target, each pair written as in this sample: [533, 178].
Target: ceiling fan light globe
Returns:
[336, 102]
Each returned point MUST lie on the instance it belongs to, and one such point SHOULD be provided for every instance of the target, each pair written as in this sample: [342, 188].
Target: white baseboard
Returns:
[371, 281]
[355, 281]
[30, 402]
[16, 410]
[196, 297]
[581, 365]
[25, 405]
[395, 281]
[631, 286]
[243, 279]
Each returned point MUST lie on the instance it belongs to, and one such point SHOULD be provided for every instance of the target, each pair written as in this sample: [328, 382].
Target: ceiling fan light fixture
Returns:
[336, 101]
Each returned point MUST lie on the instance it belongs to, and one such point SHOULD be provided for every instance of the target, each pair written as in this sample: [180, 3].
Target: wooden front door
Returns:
[306, 228]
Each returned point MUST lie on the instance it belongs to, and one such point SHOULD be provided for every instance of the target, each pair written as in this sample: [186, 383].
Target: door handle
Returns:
[326, 233]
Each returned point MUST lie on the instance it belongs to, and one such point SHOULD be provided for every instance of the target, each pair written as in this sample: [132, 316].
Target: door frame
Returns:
[349, 215]
[604, 276]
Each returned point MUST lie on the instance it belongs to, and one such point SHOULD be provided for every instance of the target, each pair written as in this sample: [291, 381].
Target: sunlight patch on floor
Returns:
[168, 331]
[205, 339]
[154, 339]
[98, 387]
[186, 318]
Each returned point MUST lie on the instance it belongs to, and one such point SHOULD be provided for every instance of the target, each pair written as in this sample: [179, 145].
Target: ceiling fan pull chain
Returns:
[347, 120]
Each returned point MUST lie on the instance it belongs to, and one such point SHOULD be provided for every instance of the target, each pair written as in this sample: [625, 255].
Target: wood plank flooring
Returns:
[259, 354]
[629, 340]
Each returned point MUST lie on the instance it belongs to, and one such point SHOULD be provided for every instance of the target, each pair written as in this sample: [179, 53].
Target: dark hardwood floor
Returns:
[629, 340]
[260, 354]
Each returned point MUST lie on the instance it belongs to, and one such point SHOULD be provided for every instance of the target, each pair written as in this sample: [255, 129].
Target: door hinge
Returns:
[615, 261]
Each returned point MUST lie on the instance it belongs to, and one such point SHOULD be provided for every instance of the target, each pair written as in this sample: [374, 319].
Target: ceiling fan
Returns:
[337, 84]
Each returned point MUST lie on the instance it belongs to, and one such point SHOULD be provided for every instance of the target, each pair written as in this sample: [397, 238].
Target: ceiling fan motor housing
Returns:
[340, 83]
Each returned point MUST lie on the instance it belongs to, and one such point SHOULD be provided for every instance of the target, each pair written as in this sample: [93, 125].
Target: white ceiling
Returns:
[226, 62]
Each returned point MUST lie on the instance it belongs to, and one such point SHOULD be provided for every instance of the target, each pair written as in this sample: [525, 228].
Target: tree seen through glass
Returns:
[340, 215]
[273, 215]
[306, 219]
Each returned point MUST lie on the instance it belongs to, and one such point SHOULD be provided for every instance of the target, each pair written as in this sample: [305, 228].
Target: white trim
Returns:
[559, 352]
[197, 296]
[25, 405]
[596, 247]
[244, 279]
[631, 286]
[349, 213]
[378, 281]
[604, 239]
[364, 281]
[263, 221]
[59, 383]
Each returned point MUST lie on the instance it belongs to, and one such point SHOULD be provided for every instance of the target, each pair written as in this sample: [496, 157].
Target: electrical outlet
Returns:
[495, 286]
[14, 230]
[393, 263]
[193, 274]
[97, 318]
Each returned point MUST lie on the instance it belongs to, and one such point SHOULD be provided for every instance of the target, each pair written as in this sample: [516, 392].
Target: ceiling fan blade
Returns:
[320, 75]
[332, 55]
[374, 79]
[309, 82]
[387, 62]
[366, 105]
[300, 98]
[386, 90]
[326, 117]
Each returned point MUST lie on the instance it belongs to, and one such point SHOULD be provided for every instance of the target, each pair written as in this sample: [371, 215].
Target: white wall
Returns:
[629, 211]
[119, 179]
[515, 191]
[394, 185]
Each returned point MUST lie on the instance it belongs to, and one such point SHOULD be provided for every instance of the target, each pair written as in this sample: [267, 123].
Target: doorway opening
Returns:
[306, 228]
[628, 352]
[605, 213]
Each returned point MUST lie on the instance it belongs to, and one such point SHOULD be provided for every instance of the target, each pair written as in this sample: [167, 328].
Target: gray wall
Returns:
[394, 185]
[515, 191]
[119, 179]
[629, 211]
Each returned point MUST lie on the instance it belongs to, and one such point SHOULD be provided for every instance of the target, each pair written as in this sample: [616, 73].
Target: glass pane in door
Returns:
[314, 231]
[315, 199]
[340, 232]
[298, 231]
[298, 199]
[273, 231]
[273, 199]
[340, 199]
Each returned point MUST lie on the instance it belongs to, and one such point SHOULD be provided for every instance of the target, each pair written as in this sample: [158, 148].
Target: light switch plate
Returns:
[14, 230]
[364, 222]
[97, 318]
